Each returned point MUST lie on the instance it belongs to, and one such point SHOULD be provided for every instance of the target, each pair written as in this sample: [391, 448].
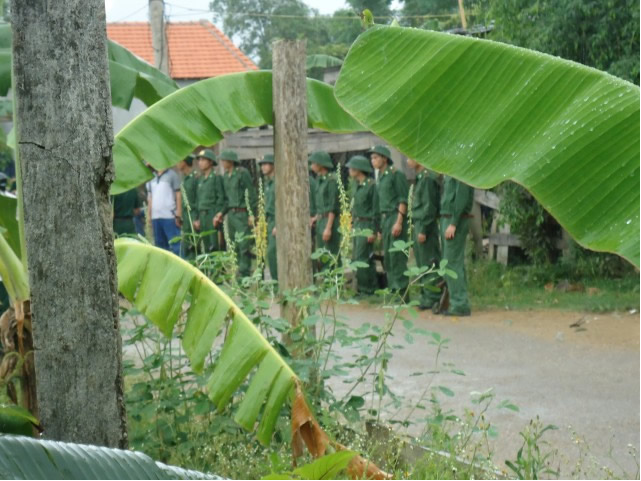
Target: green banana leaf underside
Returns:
[22, 457]
[486, 112]
[198, 115]
[164, 287]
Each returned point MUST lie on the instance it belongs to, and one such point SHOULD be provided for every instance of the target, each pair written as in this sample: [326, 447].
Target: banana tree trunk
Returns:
[64, 138]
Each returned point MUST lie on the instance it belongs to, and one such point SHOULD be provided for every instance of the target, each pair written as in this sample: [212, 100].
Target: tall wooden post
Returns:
[159, 35]
[293, 238]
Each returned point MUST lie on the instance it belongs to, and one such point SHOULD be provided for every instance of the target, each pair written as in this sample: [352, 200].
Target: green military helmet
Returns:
[381, 150]
[267, 159]
[229, 155]
[361, 163]
[321, 158]
[189, 160]
[207, 154]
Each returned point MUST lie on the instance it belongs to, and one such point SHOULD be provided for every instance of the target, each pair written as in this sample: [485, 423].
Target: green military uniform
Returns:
[425, 205]
[269, 191]
[326, 202]
[235, 185]
[456, 205]
[210, 201]
[392, 191]
[364, 216]
[190, 210]
[124, 206]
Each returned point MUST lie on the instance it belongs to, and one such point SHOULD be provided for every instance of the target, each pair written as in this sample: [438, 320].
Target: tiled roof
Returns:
[196, 49]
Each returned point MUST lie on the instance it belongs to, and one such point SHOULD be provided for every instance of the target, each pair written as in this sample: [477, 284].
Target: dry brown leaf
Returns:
[307, 432]
[305, 429]
[549, 287]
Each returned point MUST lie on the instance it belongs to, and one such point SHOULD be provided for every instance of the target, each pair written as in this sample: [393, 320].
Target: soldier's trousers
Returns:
[237, 222]
[395, 263]
[210, 239]
[366, 280]
[334, 242]
[454, 252]
[427, 254]
[271, 249]
[124, 225]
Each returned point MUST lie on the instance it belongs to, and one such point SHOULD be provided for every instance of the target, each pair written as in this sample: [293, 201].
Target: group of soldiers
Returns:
[440, 217]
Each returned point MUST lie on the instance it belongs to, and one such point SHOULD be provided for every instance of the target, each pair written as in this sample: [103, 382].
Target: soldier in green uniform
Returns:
[364, 216]
[190, 207]
[269, 190]
[126, 205]
[326, 203]
[210, 199]
[425, 203]
[392, 204]
[238, 185]
[456, 205]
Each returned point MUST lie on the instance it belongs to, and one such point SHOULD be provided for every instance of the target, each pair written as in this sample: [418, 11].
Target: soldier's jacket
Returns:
[190, 186]
[125, 203]
[326, 195]
[235, 184]
[312, 196]
[365, 207]
[210, 194]
[457, 199]
[269, 190]
[392, 190]
[425, 201]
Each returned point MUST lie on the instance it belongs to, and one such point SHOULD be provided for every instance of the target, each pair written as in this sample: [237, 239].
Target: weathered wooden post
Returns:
[293, 237]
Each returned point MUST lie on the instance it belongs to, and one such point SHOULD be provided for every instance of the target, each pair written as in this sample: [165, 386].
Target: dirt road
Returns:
[585, 377]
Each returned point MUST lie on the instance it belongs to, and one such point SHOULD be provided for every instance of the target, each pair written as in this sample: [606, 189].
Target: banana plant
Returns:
[486, 112]
[163, 286]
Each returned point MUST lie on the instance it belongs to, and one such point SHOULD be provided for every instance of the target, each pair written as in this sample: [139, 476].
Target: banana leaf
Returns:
[198, 114]
[159, 284]
[486, 112]
[130, 76]
[26, 458]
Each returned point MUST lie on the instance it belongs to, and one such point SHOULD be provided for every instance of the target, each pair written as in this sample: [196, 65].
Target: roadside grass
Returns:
[494, 286]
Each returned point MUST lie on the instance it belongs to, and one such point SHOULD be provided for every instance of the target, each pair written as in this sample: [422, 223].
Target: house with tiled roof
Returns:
[196, 51]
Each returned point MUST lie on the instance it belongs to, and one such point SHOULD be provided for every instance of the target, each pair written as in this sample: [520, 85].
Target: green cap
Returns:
[382, 150]
[267, 159]
[207, 154]
[321, 158]
[229, 155]
[361, 163]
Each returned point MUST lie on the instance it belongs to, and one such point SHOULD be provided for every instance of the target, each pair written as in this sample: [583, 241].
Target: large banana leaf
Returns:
[200, 113]
[159, 284]
[486, 112]
[26, 458]
[130, 76]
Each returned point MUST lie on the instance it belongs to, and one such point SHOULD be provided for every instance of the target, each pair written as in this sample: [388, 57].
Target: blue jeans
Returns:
[164, 231]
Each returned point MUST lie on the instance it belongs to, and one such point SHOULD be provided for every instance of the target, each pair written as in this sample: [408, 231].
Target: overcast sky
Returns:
[186, 10]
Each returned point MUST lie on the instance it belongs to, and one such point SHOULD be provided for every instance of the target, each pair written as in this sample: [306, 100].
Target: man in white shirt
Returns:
[165, 209]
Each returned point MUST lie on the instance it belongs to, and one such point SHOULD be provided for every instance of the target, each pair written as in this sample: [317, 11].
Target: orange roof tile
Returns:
[196, 49]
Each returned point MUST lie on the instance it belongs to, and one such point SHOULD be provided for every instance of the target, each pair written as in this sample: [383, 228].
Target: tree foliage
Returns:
[603, 34]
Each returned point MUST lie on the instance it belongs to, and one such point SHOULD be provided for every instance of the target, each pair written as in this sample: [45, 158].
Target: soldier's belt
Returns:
[238, 209]
[364, 218]
[325, 214]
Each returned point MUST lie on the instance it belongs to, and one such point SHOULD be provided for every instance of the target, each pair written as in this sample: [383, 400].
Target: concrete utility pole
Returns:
[64, 138]
[293, 237]
[159, 35]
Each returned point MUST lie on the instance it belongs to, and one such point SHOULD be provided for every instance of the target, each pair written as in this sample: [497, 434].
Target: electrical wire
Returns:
[130, 15]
